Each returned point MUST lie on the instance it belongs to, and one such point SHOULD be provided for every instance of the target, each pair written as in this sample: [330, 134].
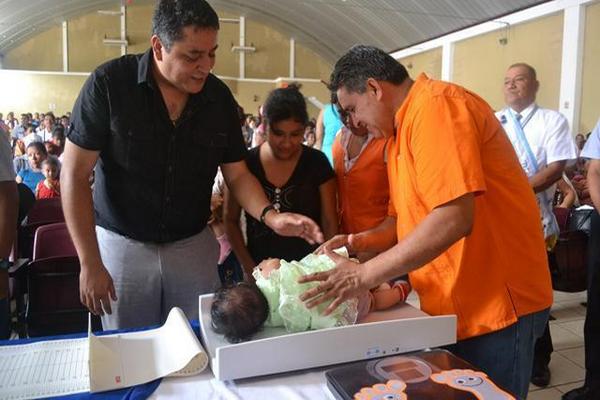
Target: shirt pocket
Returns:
[143, 150]
[208, 151]
[132, 147]
[118, 146]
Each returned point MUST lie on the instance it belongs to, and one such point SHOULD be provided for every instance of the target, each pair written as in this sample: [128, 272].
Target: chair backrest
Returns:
[53, 305]
[43, 212]
[46, 211]
[53, 240]
[562, 217]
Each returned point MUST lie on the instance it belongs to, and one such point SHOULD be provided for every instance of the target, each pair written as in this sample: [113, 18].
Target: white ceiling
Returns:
[328, 27]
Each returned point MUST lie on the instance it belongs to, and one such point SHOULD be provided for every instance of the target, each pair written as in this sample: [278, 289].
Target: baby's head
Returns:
[239, 311]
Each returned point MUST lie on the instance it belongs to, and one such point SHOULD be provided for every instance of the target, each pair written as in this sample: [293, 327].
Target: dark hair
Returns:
[528, 67]
[39, 146]
[53, 161]
[238, 311]
[171, 16]
[285, 103]
[58, 131]
[360, 63]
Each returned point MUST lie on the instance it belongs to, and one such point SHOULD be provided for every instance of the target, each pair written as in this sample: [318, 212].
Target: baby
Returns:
[239, 311]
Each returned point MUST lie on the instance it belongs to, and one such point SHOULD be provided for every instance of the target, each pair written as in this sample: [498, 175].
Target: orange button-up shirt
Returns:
[448, 143]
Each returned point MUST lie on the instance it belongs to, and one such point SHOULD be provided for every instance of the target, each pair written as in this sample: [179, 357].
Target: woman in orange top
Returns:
[362, 181]
[467, 226]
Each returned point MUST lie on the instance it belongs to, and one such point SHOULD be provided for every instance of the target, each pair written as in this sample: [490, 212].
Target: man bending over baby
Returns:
[239, 311]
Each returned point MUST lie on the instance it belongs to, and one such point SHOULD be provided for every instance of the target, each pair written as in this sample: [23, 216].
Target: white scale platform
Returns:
[273, 350]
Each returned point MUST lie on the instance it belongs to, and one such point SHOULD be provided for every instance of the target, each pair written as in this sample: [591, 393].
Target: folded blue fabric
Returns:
[138, 392]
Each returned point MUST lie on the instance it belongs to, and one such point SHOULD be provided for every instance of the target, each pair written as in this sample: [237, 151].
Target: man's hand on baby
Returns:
[339, 284]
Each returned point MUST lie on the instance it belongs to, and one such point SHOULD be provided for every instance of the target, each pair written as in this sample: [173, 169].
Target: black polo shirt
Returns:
[153, 179]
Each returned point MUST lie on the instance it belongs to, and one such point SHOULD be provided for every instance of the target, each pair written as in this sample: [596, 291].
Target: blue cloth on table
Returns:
[132, 393]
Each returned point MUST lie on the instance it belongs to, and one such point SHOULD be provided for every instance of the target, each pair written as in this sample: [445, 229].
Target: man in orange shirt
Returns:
[467, 227]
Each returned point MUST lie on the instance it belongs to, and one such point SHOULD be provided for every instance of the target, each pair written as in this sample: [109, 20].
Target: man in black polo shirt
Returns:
[156, 126]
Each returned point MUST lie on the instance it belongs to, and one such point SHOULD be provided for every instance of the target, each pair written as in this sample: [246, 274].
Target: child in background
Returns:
[49, 187]
[36, 154]
[238, 312]
[228, 266]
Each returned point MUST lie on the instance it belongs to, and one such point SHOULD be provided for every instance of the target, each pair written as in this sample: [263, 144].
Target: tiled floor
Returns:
[567, 365]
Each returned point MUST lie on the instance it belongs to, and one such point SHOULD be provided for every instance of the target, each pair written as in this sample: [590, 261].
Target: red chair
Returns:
[53, 240]
[43, 212]
[46, 211]
[562, 217]
[53, 305]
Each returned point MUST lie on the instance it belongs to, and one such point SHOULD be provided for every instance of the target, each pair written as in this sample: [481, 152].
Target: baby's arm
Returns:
[386, 295]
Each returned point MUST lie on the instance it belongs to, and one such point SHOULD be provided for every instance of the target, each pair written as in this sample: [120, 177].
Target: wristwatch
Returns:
[264, 212]
[4, 264]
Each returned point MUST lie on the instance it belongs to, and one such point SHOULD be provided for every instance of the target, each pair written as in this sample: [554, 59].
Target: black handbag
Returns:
[568, 262]
[580, 220]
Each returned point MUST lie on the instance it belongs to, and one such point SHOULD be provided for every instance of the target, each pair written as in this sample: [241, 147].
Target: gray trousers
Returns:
[152, 278]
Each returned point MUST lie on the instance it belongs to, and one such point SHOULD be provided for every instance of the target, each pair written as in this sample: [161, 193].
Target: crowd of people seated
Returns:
[37, 141]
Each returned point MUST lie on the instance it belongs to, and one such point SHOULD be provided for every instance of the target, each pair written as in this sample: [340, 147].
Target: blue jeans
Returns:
[506, 356]
[230, 271]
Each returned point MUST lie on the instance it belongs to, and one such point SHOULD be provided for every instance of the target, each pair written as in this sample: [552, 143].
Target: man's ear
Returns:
[157, 47]
[374, 88]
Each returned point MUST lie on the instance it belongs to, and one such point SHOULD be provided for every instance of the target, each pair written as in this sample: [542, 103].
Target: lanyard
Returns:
[521, 136]
[545, 203]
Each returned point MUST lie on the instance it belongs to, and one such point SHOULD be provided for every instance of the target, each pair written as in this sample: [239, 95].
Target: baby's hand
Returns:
[268, 265]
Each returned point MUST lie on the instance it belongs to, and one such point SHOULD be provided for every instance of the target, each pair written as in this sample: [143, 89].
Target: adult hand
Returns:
[339, 284]
[291, 224]
[96, 289]
[351, 242]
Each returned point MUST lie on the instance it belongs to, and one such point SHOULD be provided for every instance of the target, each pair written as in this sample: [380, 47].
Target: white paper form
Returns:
[44, 369]
[133, 358]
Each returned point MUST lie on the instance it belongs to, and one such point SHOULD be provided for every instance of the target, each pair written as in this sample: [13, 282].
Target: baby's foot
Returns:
[392, 390]
[473, 382]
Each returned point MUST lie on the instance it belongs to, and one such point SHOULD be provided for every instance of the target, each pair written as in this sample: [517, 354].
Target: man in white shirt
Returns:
[19, 131]
[544, 145]
[30, 137]
[45, 128]
[591, 331]
[8, 228]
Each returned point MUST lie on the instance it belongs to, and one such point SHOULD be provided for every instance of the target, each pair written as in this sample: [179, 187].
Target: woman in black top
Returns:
[294, 177]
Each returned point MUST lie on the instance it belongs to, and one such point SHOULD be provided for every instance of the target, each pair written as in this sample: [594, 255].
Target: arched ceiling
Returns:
[328, 27]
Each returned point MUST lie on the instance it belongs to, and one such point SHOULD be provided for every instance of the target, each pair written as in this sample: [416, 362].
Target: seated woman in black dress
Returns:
[294, 177]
